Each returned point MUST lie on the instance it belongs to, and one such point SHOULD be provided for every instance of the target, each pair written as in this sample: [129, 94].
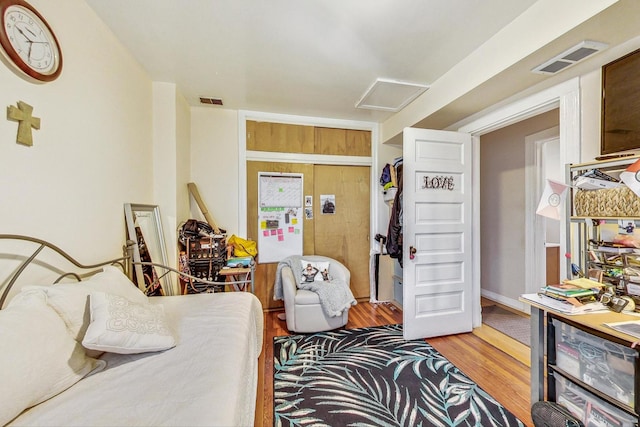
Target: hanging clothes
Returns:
[394, 232]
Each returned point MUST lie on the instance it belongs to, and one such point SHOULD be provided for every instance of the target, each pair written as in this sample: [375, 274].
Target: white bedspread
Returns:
[209, 378]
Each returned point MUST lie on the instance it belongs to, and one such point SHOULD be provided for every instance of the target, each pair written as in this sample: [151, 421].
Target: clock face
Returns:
[28, 41]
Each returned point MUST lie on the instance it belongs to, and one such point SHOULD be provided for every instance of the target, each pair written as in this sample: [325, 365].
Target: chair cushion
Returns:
[306, 297]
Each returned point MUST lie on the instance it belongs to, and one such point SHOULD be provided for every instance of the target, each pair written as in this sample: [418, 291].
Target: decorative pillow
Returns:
[70, 300]
[119, 325]
[39, 357]
[314, 271]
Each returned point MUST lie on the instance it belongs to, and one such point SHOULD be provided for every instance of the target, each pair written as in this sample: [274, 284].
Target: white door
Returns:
[437, 247]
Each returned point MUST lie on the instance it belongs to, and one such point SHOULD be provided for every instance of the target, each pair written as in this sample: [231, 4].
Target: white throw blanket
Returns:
[335, 295]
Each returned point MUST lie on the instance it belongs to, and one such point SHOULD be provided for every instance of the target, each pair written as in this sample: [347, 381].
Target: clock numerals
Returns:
[29, 41]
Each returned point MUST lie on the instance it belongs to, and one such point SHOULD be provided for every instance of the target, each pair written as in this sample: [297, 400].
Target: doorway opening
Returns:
[514, 163]
[564, 97]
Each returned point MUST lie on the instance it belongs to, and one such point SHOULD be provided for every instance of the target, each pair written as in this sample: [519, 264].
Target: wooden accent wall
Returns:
[344, 235]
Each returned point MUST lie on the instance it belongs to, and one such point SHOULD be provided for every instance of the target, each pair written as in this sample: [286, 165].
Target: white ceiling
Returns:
[309, 57]
[318, 57]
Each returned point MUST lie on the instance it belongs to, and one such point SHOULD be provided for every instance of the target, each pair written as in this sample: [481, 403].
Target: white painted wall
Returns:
[93, 152]
[214, 164]
[171, 154]
[591, 94]
[164, 160]
[183, 166]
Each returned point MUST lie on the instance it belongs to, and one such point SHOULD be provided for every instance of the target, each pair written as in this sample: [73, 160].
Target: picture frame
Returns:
[620, 104]
[144, 230]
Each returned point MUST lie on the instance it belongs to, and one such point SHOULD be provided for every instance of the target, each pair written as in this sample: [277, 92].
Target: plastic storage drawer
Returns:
[589, 408]
[604, 365]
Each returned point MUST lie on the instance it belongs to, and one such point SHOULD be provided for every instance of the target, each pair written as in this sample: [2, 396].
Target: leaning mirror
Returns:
[144, 229]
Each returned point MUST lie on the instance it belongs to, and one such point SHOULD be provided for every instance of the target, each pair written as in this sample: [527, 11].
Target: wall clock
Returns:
[28, 42]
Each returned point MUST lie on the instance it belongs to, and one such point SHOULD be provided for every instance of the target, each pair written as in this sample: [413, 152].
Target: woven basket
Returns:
[619, 201]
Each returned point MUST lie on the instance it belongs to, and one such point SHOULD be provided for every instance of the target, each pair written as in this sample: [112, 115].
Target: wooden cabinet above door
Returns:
[342, 142]
[279, 137]
[287, 138]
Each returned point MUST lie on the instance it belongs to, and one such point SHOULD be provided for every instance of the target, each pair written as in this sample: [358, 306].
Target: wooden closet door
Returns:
[344, 235]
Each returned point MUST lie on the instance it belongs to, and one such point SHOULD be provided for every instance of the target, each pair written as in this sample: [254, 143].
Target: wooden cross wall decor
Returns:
[22, 115]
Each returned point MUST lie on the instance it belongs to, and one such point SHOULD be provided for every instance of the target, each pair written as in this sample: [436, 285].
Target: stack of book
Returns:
[565, 291]
[583, 290]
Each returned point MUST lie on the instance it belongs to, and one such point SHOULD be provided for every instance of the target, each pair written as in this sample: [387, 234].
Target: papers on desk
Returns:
[563, 306]
[631, 327]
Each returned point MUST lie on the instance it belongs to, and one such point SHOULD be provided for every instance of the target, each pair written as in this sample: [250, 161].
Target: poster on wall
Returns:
[328, 203]
[280, 210]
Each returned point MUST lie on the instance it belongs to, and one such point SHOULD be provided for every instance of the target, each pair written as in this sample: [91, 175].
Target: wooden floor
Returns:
[503, 342]
[499, 374]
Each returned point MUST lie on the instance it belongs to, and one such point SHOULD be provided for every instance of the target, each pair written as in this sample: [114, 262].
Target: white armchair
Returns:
[302, 307]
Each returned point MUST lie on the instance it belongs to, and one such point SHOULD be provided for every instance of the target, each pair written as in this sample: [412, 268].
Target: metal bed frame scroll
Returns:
[125, 262]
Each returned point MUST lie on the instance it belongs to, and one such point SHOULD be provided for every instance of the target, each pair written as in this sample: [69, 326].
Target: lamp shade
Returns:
[552, 199]
[631, 177]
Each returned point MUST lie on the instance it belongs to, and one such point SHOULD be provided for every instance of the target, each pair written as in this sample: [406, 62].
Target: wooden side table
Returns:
[238, 277]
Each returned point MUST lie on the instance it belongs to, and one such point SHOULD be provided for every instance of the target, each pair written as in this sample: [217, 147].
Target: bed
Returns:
[67, 359]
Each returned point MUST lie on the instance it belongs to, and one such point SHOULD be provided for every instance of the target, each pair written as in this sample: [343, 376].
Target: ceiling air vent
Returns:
[210, 101]
[390, 95]
[569, 57]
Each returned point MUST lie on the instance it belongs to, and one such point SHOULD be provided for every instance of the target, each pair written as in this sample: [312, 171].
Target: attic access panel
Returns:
[390, 95]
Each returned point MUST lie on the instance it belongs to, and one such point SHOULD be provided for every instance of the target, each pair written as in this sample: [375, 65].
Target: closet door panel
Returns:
[344, 235]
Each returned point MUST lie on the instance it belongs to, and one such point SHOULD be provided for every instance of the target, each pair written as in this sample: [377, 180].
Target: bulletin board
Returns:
[280, 210]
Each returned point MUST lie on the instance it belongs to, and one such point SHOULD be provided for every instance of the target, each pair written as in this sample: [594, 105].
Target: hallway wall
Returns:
[502, 207]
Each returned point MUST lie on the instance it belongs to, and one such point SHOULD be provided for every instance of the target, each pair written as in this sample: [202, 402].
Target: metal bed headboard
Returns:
[123, 262]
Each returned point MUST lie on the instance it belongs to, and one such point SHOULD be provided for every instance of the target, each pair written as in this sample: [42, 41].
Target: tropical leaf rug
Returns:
[373, 377]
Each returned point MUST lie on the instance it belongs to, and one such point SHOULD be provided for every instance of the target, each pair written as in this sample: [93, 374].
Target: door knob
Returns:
[412, 252]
